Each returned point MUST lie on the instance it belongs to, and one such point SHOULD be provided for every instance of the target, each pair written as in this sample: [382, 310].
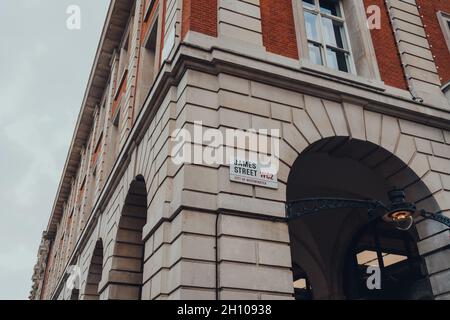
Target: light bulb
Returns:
[402, 220]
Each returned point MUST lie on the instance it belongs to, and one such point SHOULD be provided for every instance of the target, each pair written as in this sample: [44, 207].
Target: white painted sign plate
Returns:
[251, 172]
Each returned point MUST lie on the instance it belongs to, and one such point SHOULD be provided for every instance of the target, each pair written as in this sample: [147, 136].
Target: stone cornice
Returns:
[216, 61]
[116, 19]
[275, 70]
[295, 75]
[285, 75]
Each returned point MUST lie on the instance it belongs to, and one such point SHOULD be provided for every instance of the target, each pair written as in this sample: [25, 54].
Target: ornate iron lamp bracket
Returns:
[438, 216]
[375, 209]
[299, 208]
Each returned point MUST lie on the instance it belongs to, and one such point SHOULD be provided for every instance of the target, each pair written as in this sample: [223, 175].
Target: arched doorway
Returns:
[75, 294]
[332, 250]
[126, 275]
[395, 255]
[91, 291]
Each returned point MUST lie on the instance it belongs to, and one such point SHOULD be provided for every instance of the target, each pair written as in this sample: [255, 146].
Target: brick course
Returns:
[428, 9]
[386, 51]
[199, 16]
[278, 27]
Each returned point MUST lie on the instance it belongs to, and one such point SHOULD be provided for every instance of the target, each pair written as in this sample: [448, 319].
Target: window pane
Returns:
[309, 4]
[334, 33]
[337, 60]
[330, 7]
[311, 26]
[315, 54]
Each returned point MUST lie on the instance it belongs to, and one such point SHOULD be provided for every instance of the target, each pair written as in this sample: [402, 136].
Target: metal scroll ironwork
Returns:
[375, 209]
[438, 216]
[298, 208]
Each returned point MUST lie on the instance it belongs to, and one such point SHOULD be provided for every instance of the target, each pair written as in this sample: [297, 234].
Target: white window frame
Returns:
[324, 46]
[124, 51]
[148, 9]
[367, 66]
[444, 22]
[154, 25]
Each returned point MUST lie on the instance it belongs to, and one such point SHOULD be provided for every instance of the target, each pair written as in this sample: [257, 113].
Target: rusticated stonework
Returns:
[138, 225]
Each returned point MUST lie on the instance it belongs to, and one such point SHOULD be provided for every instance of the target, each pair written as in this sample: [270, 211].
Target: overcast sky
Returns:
[44, 68]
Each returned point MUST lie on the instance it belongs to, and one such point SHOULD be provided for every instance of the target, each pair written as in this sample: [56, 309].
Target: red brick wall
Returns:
[146, 23]
[278, 27]
[121, 91]
[163, 27]
[47, 272]
[386, 51]
[199, 16]
[428, 9]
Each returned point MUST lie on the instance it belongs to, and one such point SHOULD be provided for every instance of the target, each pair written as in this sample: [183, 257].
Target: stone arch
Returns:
[322, 123]
[392, 139]
[340, 167]
[125, 279]
[91, 291]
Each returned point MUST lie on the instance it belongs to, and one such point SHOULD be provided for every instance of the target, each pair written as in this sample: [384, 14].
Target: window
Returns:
[149, 57]
[124, 57]
[444, 21]
[97, 151]
[124, 54]
[327, 35]
[149, 60]
[333, 38]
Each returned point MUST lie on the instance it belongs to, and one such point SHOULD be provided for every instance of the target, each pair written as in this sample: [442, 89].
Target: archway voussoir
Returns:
[406, 148]
[355, 120]
[316, 111]
[122, 292]
[445, 296]
[305, 125]
[294, 138]
[419, 165]
[129, 250]
[287, 154]
[373, 126]
[94, 276]
[126, 264]
[428, 228]
[336, 115]
[390, 133]
[434, 243]
[440, 283]
[438, 262]
[131, 223]
[125, 277]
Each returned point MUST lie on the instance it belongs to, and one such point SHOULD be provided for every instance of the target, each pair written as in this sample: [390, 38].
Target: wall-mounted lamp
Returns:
[399, 212]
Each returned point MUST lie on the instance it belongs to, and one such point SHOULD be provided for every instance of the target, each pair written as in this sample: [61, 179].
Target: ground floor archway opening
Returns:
[340, 253]
[378, 247]
[126, 276]
[94, 276]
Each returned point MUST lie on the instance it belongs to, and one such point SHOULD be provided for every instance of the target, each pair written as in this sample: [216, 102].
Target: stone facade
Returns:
[137, 225]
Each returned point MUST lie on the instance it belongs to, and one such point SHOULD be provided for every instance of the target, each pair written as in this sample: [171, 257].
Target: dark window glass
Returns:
[309, 4]
[330, 7]
[311, 26]
[337, 60]
[333, 33]
[315, 54]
